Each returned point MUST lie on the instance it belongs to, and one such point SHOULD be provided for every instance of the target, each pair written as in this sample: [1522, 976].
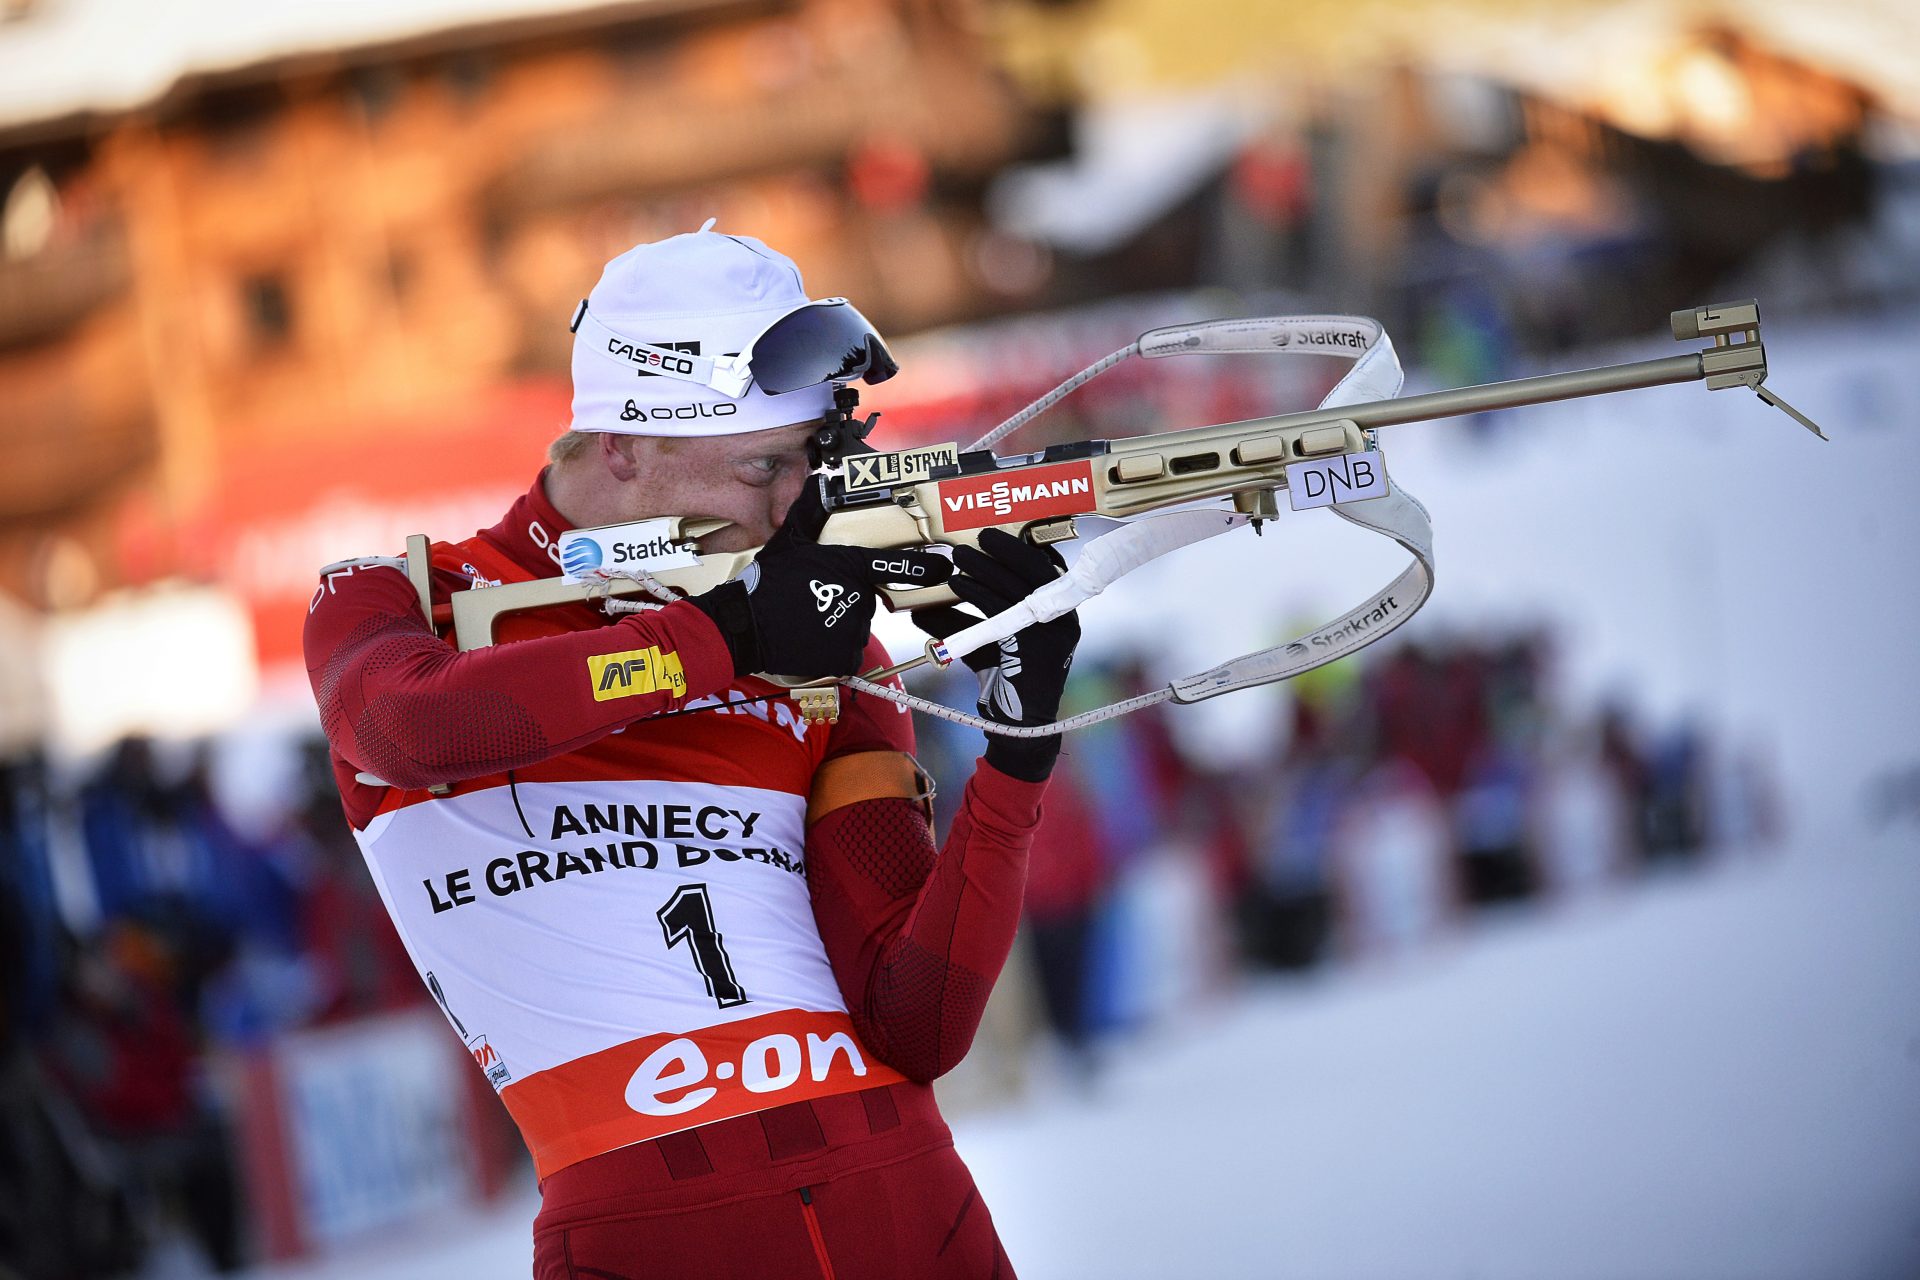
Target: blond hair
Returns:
[571, 444]
[568, 445]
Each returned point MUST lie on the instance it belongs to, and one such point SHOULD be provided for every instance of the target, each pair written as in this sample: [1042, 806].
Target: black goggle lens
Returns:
[820, 344]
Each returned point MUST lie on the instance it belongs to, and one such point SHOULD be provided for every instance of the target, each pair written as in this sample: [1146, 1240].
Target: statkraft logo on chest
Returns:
[1030, 493]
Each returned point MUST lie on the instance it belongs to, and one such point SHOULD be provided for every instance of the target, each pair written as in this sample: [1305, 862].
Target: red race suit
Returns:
[706, 952]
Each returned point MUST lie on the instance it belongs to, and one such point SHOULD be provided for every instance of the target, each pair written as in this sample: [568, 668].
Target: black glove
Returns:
[1021, 679]
[804, 610]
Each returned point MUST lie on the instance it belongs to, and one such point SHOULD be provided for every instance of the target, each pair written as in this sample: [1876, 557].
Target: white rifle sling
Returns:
[1101, 563]
[1399, 516]
[1376, 375]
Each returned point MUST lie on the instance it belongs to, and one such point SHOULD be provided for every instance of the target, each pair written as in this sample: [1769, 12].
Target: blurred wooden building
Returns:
[317, 279]
[292, 283]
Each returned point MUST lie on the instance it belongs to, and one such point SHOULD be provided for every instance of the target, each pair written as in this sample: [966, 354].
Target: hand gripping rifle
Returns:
[1150, 494]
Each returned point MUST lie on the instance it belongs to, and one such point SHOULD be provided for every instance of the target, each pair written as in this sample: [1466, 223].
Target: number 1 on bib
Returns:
[689, 915]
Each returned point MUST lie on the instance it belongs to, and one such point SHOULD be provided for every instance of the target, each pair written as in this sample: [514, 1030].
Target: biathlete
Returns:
[706, 952]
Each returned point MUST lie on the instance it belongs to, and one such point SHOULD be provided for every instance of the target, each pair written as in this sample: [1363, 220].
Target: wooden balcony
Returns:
[48, 293]
[964, 122]
[76, 417]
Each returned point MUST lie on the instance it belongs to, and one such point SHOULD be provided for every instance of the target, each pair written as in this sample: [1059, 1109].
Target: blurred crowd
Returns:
[1412, 794]
[148, 940]
[142, 935]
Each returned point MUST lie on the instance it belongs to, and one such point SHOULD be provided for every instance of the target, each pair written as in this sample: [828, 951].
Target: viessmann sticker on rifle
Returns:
[1026, 493]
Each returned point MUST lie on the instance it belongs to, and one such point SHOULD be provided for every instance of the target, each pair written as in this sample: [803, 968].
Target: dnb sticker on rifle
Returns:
[1021, 493]
[902, 466]
[1348, 477]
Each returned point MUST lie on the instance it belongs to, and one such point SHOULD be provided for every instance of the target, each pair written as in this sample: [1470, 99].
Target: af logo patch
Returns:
[637, 671]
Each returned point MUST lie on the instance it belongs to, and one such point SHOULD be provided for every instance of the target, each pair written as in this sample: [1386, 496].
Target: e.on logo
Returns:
[767, 1065]
[668, 1081]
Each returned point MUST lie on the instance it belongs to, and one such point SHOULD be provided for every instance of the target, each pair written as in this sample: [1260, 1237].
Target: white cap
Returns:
[703, 293]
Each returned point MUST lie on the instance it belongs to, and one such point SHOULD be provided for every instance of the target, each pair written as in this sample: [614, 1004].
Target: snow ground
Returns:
[1705, 1075]
[1714, 1077]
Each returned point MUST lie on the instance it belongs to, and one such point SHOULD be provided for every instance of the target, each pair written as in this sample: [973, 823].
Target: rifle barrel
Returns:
[1524, 391]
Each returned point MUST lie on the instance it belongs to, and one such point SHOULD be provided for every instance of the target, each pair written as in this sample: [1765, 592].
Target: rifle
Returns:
[1327, 456]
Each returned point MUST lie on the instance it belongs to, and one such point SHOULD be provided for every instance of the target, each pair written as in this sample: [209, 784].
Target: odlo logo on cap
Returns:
[632, 412]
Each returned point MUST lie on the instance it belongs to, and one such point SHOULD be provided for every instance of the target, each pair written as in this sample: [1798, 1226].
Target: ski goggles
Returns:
[816, 342]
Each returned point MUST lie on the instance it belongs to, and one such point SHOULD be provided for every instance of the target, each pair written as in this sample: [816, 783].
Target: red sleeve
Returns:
[399, 702]
[868, 723]
[917, 939]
